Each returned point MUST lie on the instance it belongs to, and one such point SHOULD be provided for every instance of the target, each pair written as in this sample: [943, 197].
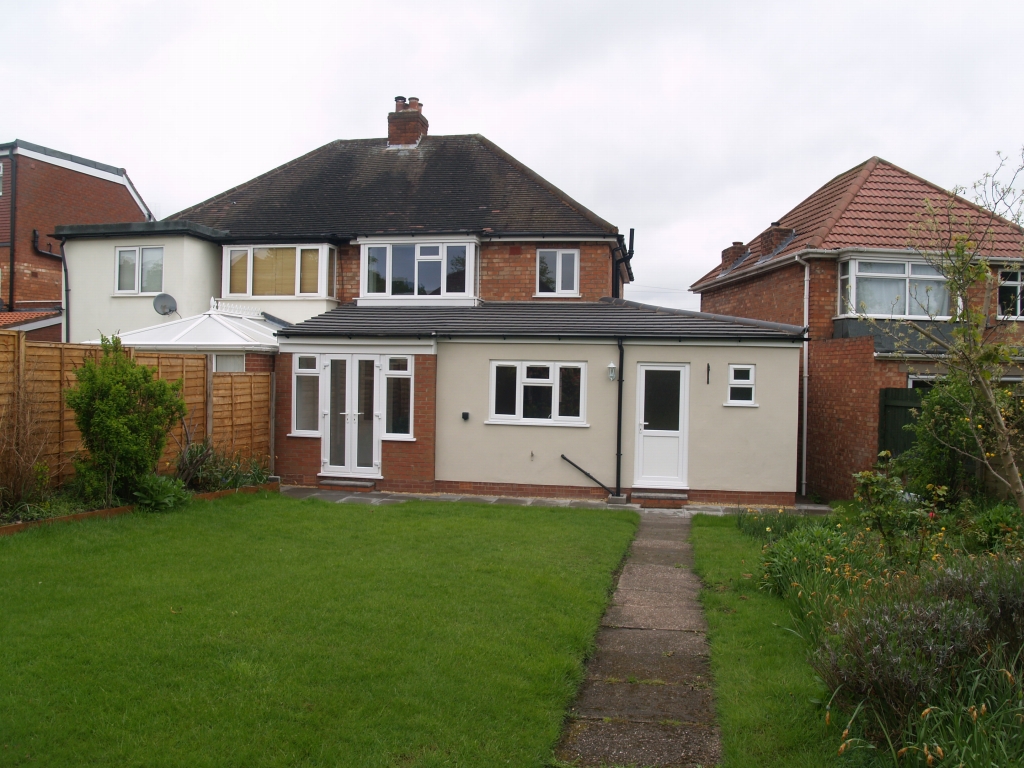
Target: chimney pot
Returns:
[406, 125]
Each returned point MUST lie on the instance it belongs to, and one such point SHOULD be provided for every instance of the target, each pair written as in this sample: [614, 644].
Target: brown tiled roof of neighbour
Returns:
[11, 319]
[874, 205]
[445, 184]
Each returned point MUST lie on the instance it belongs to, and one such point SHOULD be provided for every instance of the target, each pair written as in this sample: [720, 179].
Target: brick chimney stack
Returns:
[775, 236]
[406, 125]
[732, 253]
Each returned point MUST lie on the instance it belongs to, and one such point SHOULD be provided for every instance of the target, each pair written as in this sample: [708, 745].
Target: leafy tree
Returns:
[974, 349]
[124, 415]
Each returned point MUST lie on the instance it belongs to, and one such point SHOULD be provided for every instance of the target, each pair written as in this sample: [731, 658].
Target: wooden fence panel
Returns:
[40, 372]
[895, 411]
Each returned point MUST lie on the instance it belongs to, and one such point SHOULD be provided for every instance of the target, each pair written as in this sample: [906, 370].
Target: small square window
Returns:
[741, 385]
[398, 364]
[307, 363]
[558, 272]
[229, 363]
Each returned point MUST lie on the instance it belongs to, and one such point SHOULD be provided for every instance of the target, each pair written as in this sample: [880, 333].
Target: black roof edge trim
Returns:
[275, 320]
[162, 227]
[305, 334]
[767, 324]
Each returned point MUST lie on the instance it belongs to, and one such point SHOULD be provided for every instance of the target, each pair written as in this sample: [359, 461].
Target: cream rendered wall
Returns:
[285, 308]
[730, 448]
[191, 276]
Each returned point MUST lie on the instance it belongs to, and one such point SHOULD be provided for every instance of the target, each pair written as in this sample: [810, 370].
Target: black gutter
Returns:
[626, 258]
[618, 426]
[14, 219]
[67, 280]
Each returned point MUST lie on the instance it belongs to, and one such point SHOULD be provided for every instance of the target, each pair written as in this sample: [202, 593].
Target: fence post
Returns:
[19, 384]
[209, 398]
[273, 419]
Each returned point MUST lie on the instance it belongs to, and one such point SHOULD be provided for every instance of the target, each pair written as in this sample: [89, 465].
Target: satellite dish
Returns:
[164, 304]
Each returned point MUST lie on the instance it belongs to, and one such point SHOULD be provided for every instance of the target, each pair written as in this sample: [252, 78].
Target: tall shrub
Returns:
[124, 415]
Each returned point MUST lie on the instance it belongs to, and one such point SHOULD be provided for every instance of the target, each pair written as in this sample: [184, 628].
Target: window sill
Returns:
[511, 423]
[915, 318]
[416, 301]
[741, 405]
[556, 295]
[295, 297]
[126, 295]
[399, 438]
[304, 434]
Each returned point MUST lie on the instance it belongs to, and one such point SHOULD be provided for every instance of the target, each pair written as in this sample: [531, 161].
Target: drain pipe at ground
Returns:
[806, 375]
[618, 428]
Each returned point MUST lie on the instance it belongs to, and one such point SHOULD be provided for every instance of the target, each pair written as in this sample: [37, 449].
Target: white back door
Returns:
[352, 416]
[661, 425]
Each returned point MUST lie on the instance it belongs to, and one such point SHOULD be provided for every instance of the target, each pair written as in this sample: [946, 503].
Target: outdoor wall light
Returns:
[611, 371]
[465, 415]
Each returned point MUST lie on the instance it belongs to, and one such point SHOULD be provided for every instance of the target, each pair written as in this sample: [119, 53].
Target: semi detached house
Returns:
[448, 321]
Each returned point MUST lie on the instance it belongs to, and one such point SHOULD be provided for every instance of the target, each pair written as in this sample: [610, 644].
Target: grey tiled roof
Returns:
[446, 184]
[607, 318]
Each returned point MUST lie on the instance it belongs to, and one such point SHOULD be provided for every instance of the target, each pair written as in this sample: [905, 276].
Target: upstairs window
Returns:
[538, 393]
[892, 289]
[417, 269]
[558, 273]
[139, 270]
[1010, 294]
[280, 270]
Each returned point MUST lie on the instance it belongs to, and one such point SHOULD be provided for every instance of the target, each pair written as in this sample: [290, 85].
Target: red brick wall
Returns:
[48, 333]
[348, 273]
[259, 363]
[296, 459]
[408, 467]
[49, 195]
[842, 417]
[509, 270]
[5, 206]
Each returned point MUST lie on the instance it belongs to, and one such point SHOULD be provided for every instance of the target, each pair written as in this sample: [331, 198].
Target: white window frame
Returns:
[442, 245]
[314, 372]
[558, 273]
[218, 355]
[136, 290]
[387, 373]
[750, 384]
[555, 382]
[322, 272]
[853, 267]
[1019, 285]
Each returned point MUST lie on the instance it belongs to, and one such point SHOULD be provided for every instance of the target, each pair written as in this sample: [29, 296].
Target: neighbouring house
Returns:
[447, 320]
[39, 189]
[845, 253]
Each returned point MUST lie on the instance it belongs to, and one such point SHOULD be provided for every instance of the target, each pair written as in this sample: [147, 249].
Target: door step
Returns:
[649, 500]
[338, 484]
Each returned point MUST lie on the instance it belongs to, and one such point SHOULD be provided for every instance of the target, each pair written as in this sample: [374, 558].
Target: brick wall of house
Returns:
[47, 333]
[49, 195]
[348, 273]
[259, 363]
[408, 467]
[777, 296]
[296, 459]
[842, 419]
[509, 270]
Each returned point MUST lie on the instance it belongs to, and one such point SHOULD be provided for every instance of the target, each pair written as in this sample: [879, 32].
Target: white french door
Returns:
[351, 415]
[661, 425]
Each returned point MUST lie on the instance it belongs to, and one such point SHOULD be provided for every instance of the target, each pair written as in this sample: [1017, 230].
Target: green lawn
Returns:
[263, 631]
[763, 684]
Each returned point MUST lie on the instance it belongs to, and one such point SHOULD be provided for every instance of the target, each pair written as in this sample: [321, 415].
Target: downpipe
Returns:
[806, 375]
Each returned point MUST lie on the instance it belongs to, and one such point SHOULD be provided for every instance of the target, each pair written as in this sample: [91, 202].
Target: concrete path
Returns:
[647, 700]
[380, 498]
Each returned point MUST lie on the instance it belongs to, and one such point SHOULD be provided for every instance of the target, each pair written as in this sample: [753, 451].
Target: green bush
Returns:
[124, 415]
[161, 494]
[202, 468]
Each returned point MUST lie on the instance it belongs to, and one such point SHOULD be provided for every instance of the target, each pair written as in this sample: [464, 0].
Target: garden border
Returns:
[13, 528]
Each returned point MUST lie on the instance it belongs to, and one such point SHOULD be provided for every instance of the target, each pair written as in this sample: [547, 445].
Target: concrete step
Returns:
[340, 484]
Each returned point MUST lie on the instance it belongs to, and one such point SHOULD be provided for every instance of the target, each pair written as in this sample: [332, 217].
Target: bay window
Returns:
[538, 393]
[892, 289]
[280, 270]
[417, 269]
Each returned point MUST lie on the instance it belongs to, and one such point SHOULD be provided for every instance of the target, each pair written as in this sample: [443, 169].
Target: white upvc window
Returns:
[231, 363]
[538, 393]
[305, 395]
[741, 385]
[139, 270]
[558, 272]
[882, 288]
[264, 271]
[1010, 291]
[397, 383]
[417, 269]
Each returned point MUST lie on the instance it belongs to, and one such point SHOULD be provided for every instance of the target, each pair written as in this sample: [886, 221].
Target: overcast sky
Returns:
[697, 123]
